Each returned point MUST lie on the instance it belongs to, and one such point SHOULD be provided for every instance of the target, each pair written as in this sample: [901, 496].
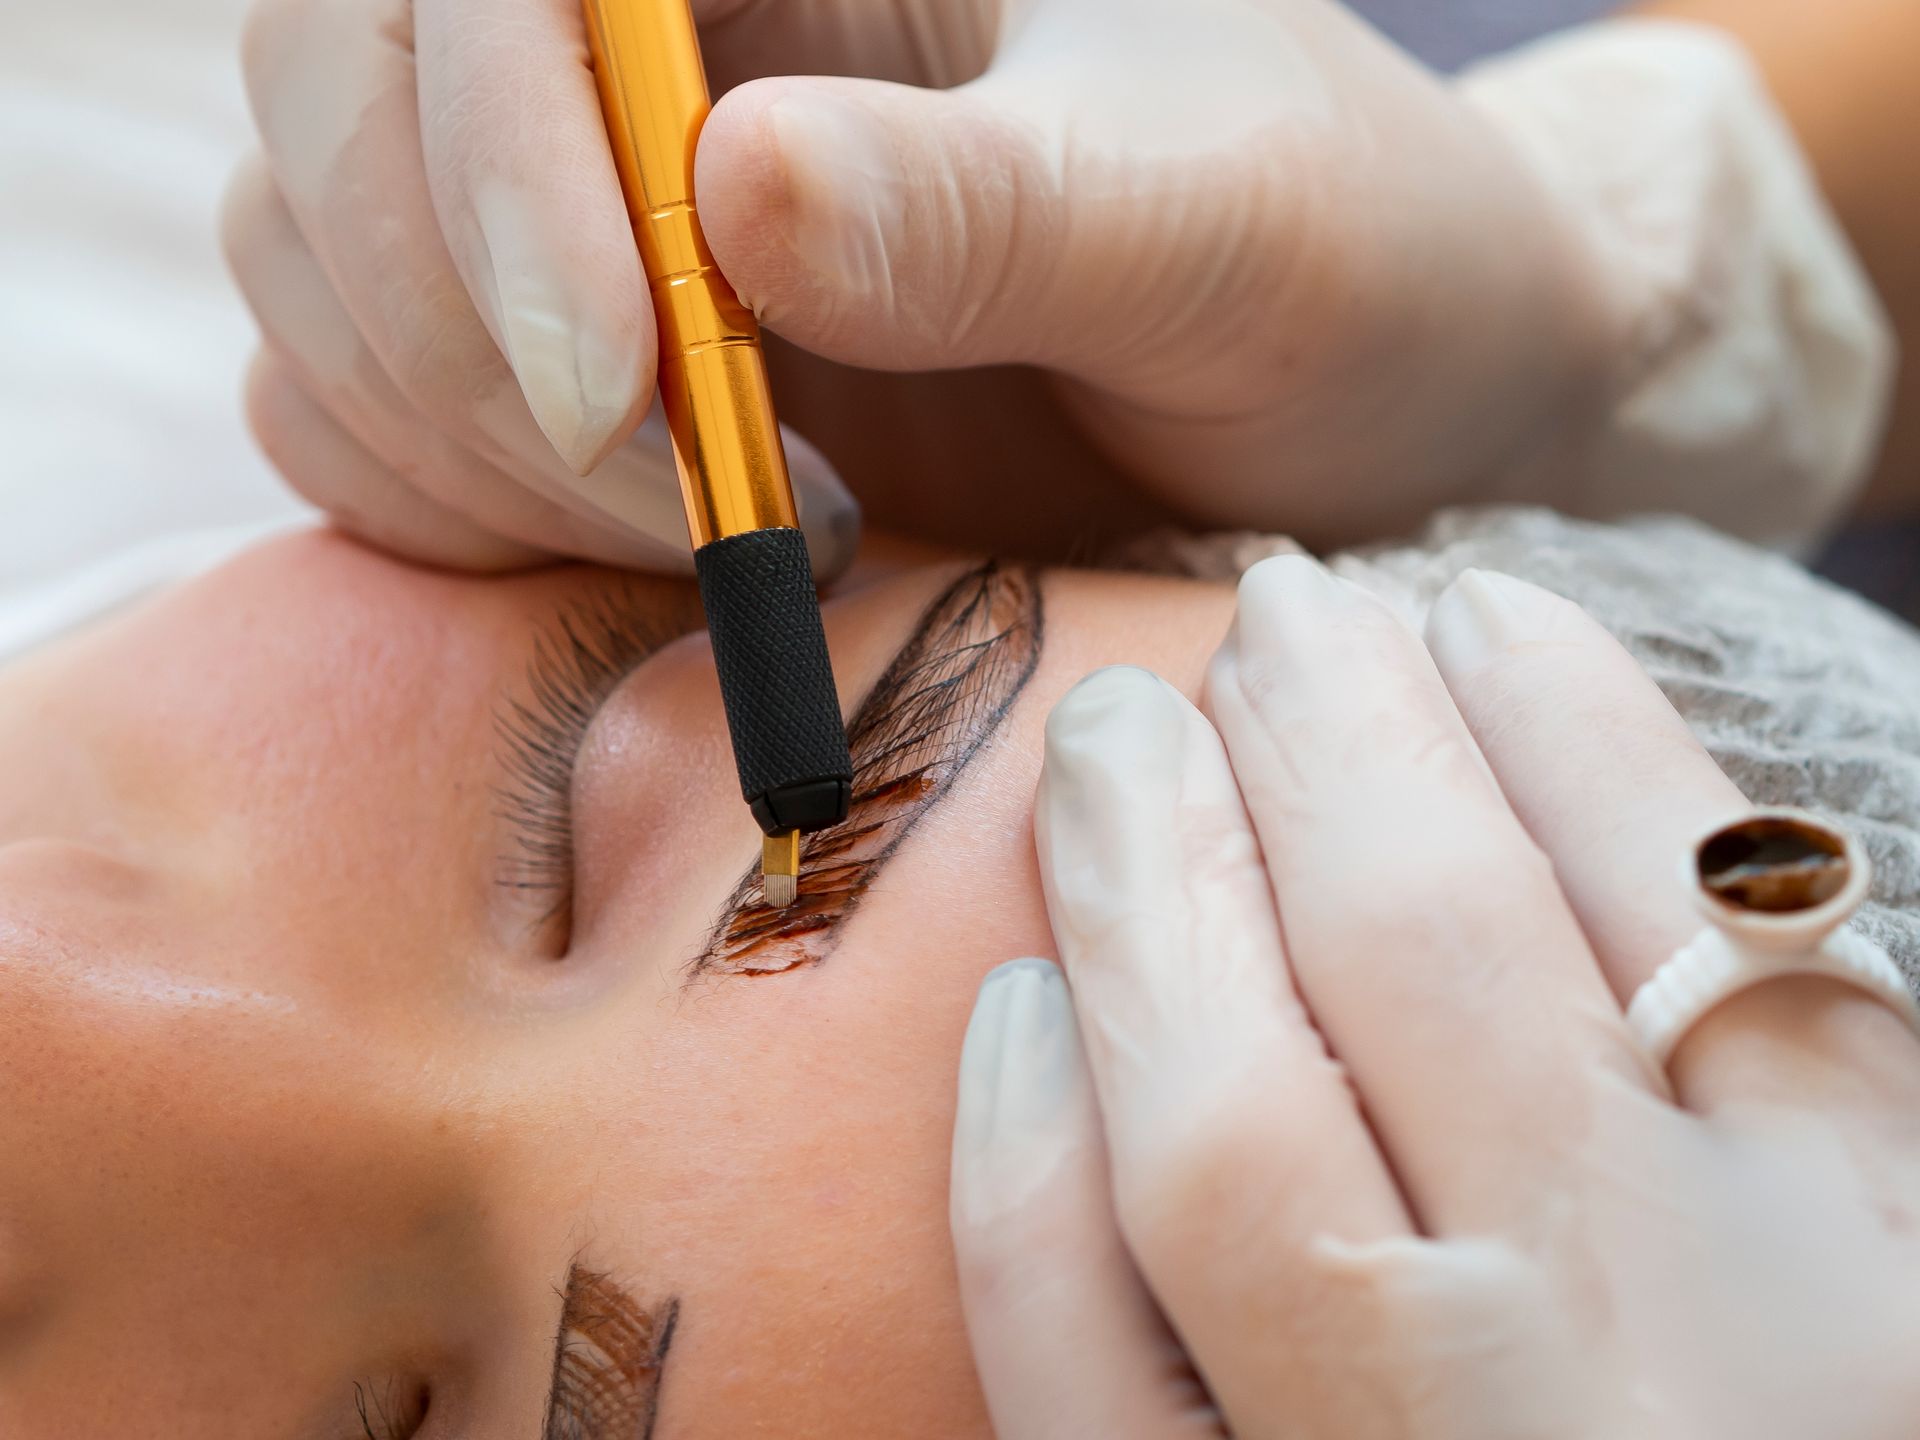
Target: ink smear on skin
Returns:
[941, 700]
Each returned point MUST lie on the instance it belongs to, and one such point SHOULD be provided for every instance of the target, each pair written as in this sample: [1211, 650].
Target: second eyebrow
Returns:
[609, 1357]
[946, 692]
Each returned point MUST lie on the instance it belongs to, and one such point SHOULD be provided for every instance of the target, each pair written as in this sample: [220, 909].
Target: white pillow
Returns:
[122, 342]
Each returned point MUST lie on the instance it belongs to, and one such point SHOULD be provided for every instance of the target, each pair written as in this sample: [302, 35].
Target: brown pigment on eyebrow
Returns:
[940, 701]
[607, 1362]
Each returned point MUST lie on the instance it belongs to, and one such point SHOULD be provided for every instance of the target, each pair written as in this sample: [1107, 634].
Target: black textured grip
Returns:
[788, 739]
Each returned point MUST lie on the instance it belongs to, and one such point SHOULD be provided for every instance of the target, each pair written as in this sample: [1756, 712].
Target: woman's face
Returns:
[390, 1038]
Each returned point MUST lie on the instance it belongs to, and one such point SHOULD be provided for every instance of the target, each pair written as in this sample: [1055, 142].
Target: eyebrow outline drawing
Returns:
[937, 705]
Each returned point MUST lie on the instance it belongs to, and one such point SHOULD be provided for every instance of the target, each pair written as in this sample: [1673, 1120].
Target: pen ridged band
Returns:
[783, 711]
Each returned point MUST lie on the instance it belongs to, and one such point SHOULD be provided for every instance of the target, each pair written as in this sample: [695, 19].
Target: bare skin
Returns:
[309, 1113]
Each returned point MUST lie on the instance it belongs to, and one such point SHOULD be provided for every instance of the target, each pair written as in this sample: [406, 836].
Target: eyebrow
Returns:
[925, 720]
[609, 1355]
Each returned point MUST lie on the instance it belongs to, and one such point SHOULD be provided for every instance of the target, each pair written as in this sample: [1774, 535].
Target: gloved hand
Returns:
[1271, 272]
[1371, 1133]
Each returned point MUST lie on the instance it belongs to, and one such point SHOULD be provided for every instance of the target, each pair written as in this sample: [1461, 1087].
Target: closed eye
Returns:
[578, 661]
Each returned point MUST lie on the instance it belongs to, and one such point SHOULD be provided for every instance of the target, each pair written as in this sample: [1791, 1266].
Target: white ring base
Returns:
[1711, 970]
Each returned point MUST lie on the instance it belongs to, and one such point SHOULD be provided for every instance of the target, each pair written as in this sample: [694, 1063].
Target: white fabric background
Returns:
[122, 343]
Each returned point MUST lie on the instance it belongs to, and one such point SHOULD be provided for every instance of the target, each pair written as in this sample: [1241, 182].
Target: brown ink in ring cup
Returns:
[1778, 880]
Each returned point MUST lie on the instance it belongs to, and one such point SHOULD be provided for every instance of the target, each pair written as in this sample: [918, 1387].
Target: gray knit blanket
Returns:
[1806, 694]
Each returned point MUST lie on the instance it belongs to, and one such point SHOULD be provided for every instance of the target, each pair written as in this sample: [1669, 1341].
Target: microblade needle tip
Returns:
[780, 869]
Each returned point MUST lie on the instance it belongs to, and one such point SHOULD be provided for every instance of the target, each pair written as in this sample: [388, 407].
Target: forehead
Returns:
[303, 645]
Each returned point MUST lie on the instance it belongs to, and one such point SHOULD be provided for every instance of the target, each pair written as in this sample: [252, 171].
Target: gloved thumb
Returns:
[893, 227]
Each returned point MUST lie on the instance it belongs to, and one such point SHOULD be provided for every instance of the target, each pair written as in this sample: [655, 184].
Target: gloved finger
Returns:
[1425, 926]
[1607, 777]
[333, 88]
[305, 324]
[327, 466]
[524, 186]
[887, 226]
[1237, 1149]
[1040, 1255]
[1052, 211]
[526, 192]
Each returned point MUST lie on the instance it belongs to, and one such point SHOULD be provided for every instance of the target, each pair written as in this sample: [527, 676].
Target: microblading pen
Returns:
[756, 581]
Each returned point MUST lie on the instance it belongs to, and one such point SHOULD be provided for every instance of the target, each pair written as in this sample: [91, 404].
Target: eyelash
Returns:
[394, 1422]
[577, 663]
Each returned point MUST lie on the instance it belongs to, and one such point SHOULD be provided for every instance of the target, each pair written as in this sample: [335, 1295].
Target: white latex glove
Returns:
[1271, 271]
[1752, 386]
[1357, 1110]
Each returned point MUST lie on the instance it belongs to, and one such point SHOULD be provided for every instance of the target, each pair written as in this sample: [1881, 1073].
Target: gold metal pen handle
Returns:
[713, 372]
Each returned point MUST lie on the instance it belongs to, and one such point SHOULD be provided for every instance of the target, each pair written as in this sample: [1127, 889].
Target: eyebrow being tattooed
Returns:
[608, 1358]
[939, 703]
